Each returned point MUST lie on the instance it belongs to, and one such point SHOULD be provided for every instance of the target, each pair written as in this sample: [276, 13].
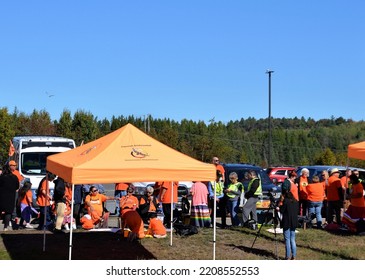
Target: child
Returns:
[68, 217]
[156, 227]
[26, 208]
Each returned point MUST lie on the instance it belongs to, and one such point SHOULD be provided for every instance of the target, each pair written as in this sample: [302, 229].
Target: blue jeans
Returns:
[118, 194]
[232, 209]
[315, 207]
[290, 245]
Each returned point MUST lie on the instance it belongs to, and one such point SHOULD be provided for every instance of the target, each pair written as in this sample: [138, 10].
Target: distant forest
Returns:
[294, 141]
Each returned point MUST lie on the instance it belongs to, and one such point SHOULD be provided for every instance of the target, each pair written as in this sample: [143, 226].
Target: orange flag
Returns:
[11, 149]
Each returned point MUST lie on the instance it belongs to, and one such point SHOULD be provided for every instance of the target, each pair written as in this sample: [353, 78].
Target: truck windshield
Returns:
[34, 163]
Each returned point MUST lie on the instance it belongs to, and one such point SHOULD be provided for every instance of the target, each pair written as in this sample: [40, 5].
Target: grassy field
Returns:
[231, 244]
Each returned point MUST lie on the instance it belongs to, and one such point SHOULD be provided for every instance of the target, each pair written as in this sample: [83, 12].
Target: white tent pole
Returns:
[71, 224]
[172, 212]
[45, 210]
[214, 216]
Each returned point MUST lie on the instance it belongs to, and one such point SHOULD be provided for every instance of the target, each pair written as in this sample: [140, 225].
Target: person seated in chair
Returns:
[129, 214]
[94, 203]
[148, 204]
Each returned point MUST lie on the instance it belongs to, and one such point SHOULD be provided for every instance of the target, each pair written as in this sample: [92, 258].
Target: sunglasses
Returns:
[150, 192]
[94, 190]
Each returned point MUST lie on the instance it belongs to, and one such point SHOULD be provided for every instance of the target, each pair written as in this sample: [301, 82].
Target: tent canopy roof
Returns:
[356, 150]
[127, 155]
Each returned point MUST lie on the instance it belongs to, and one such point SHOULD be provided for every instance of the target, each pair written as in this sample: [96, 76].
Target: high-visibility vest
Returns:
[258, 190]
[235, 188]
[219, 187]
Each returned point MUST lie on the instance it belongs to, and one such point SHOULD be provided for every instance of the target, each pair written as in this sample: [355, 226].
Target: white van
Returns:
[31, 154]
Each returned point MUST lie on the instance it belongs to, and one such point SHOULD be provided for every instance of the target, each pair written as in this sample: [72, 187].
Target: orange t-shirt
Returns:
[345, 181]
[42, 200]
[28, 198]
[156, 227]
[358, 201]
[303, 183]
[121, 186]
[68, 193]
[128, 203]
[152, 205]
[17, 173]
[96, 202]
[220, 168]
[315, 192]
[294, 190]
[165, 193]
[334, 184]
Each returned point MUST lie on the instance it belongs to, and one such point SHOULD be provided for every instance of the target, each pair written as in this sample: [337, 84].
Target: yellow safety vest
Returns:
[235, 188]
[259, 188]
[219, 187]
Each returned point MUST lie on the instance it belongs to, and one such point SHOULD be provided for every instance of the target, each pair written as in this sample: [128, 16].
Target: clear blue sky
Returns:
[184, 59]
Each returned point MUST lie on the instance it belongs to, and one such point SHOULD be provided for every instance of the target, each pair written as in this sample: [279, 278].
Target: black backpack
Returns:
[185, 230]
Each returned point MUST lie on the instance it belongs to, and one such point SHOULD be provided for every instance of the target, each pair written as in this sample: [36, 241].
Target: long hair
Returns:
[23, 190]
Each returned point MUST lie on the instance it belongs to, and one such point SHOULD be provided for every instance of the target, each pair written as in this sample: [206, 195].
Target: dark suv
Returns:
[266, 183]
[317, 170]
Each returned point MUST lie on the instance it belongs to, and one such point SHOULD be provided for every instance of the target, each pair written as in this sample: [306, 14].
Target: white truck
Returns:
[31, 154]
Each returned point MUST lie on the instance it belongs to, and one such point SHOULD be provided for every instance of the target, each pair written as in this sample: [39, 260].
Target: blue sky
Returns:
[195, 60]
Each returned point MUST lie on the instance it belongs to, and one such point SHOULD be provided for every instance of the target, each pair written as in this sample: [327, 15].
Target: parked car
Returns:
[266, 183]
[317, 170]
[279, 174]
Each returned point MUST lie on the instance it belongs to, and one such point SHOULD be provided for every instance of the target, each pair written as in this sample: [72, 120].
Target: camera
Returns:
[274, 202]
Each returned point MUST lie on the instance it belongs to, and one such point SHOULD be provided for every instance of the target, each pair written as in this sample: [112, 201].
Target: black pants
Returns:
[166, 208]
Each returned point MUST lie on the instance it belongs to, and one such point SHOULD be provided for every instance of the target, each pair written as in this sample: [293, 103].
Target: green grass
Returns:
[231, 244]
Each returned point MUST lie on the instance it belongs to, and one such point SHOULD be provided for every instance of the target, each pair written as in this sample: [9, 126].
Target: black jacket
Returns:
[9, 184]
[289, 211]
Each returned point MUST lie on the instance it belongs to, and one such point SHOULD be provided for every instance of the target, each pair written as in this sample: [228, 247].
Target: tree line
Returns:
[294, 141]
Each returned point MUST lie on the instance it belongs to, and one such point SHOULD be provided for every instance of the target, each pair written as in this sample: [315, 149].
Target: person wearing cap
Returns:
[129, 214]
[335, 196]
[12, 165]
[94, 204]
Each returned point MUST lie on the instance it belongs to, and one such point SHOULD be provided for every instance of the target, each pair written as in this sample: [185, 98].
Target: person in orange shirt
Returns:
[218, 166]
[168, 188]
[26, 207]
[12, 165]
[94, 203]
[335, 192]
[148, 204]
[315, 196]
[155, 227]
[44, 199]
[130, 216]
[302, 183]
[120, 190]
[356, 210]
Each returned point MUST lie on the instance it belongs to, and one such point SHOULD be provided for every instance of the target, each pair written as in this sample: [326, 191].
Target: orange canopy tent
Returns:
[127, 155]
[356, 150]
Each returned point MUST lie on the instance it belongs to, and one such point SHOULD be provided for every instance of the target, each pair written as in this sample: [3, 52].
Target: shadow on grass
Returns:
[86, 246]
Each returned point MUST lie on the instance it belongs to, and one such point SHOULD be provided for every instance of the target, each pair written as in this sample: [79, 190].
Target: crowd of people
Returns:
[326, 201]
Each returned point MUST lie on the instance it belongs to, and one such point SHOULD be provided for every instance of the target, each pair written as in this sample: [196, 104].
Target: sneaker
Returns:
[67, 227]
[6, 229]
[29, 226]
[74, 226]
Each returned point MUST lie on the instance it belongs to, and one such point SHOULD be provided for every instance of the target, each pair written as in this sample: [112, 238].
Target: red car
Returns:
[279, 174]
